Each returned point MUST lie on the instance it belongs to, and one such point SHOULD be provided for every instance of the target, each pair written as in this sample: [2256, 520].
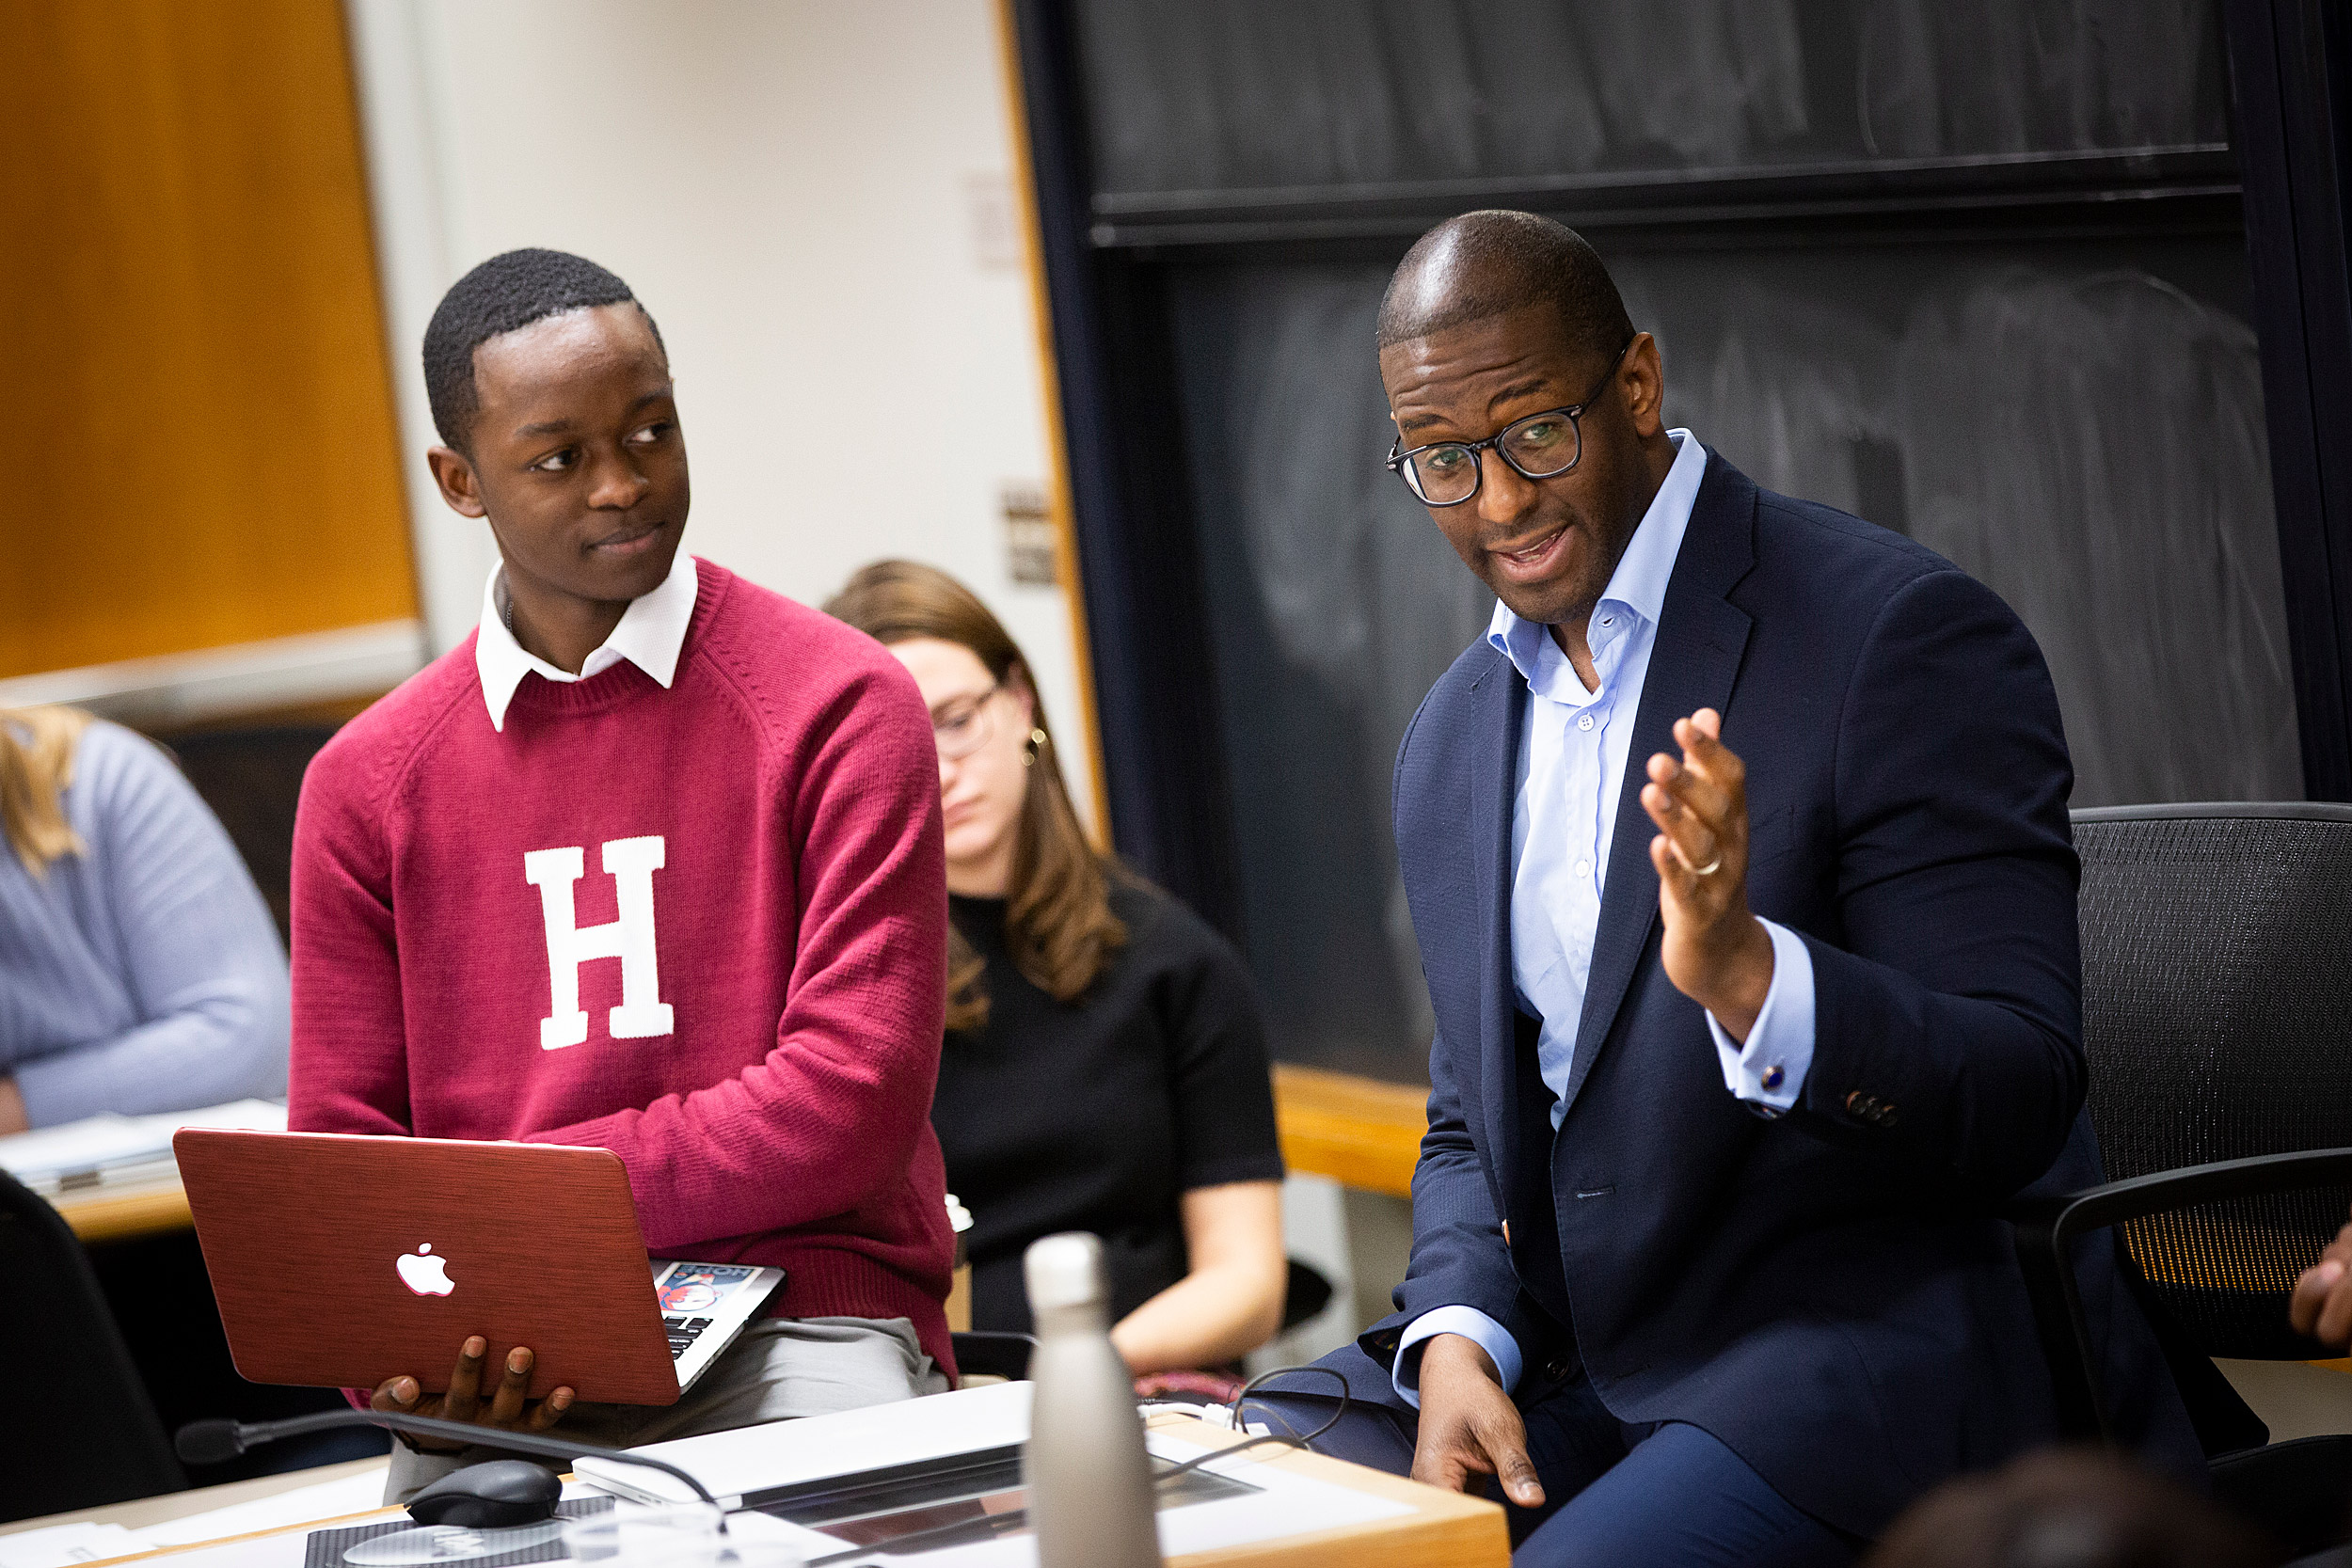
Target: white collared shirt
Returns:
[650, 636]
[1572, 754]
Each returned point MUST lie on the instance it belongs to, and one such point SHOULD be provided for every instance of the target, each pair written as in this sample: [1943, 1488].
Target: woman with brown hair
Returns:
[1105, 1061]
[139, 968]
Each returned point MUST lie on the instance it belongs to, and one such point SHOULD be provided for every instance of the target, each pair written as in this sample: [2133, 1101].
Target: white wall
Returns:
[796, 190]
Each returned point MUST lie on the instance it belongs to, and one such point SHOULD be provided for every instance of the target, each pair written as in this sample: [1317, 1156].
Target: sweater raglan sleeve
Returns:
[831, 1118]
[349, 1070]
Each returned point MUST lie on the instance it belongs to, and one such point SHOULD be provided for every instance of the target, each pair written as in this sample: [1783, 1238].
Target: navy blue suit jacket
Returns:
[1830, 1294]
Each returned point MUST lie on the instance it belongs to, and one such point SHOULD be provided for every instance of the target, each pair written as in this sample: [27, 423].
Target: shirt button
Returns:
[1584, 868]
[1585, 721]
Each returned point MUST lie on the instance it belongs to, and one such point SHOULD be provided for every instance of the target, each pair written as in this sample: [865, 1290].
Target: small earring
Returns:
[1028, 754]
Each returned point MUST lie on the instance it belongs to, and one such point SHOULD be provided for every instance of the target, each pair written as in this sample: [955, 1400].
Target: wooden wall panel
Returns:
[201, 447]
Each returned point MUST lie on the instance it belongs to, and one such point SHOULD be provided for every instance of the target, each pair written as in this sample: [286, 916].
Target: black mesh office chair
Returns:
[2217, 1020]
[81, 1432]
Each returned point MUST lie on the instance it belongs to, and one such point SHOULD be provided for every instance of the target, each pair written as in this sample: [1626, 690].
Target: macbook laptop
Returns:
[343, 1261]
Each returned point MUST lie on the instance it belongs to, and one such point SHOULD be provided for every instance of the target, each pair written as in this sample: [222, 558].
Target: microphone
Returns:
[209, 1442]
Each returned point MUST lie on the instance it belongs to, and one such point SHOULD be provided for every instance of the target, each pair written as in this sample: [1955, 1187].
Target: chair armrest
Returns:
[2046, 1229]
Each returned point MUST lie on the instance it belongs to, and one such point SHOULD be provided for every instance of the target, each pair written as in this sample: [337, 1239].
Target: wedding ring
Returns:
[1709, 868]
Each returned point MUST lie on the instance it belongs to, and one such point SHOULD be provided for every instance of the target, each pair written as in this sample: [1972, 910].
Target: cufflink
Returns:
[1774, 1078]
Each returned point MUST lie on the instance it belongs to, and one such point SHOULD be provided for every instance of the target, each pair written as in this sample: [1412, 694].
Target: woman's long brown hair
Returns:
[36, 746]
[1058, 922]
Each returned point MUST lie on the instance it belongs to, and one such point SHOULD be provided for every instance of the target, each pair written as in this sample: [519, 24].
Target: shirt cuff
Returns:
[1769, 1070]
[1471, 1324]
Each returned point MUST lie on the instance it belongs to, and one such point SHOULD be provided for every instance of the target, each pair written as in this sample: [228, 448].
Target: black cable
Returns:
[1345, 1398]
[1290, 1440]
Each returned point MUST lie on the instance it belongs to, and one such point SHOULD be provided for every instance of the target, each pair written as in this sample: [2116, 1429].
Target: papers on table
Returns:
[60, 1546]
[741, 1466]
[1277, 1505]
[751, 1460]
[1280, 1504]
[360, 1492]
[1285, 1503]
[345, 1496]
[119, 1151]
[63, 1545]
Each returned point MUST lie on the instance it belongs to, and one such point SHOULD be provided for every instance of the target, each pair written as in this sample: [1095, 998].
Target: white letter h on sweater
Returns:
[631, 863]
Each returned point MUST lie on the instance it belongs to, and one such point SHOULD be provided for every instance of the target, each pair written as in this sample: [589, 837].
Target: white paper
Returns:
[114, 1149]
[58, 1545]
[284, 1550]
[359, 1493]
[754, 1459]
[1287, 1505]
[781, 1453]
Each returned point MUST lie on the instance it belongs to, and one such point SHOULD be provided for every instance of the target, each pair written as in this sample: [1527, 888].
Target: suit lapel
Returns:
[1498, 696]
[1692, 664]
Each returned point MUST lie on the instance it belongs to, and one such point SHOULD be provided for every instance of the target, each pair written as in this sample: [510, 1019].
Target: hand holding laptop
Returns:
[507, 1410]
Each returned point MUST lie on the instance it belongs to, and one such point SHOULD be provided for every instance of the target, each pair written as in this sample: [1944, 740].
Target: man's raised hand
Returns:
[1715, 952]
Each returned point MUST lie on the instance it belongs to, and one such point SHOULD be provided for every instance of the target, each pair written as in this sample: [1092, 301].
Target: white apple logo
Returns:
[425, 1274]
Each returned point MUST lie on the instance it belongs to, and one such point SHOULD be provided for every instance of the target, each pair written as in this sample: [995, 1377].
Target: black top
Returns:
[1098, 1114]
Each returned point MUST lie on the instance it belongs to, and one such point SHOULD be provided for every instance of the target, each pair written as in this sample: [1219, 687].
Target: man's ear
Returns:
[1643, 378]
[461, 488]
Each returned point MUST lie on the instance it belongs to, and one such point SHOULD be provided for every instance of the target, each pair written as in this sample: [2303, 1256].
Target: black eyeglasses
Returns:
[1541, 446]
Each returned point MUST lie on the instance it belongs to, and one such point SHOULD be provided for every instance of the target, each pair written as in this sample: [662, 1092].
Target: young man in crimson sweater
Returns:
[651, 862]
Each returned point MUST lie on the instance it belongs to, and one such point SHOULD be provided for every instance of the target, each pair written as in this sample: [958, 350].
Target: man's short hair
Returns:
[504, 294]
[1484, 263]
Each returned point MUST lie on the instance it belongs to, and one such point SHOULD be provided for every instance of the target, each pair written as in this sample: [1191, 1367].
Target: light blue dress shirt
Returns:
[1572, 755]
[144, 975]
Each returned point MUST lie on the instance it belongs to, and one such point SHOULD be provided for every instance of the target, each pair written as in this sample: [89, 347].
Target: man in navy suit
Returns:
[1739, 857]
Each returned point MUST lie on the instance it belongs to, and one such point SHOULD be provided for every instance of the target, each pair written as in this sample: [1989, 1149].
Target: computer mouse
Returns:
[492, 1496]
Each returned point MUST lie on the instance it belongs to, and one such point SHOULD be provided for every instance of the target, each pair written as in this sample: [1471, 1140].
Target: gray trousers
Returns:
[777, 1370]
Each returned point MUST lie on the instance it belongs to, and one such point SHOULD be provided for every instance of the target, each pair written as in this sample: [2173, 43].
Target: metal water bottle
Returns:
[1089, 1481]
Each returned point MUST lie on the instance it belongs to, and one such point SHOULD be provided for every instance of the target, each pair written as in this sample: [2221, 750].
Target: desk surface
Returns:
[103, 1214]
[1443, 1530]
[196, 1499]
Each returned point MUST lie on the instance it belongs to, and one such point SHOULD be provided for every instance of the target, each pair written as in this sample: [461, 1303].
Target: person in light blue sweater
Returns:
[140, 970]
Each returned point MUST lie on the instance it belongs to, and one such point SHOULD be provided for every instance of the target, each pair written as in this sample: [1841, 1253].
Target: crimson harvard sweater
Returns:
[703, 927]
